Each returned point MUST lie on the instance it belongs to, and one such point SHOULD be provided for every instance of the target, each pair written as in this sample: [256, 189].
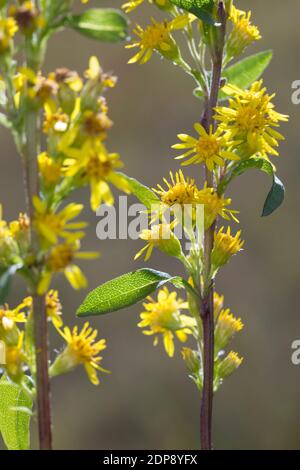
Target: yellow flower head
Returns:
[61, 259]
[82, 348]
[51, 226]
[191, 359]
[157, 37]
[8, 317]
[180, 191]
[250, 119]
[27, 16]
[50, 170]
[160, 236]
[55, 120]
[96, 125]
[97, 167]
[54, 308]
[163, 316]
[243, 33]
[133, 4]
[215, 205]
[210, 148]
[228, 365]
[226, 327]
[8, 28]
[15, 358]
[225, 246]
[218, 304]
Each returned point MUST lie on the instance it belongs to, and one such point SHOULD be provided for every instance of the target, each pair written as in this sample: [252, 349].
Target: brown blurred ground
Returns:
[148, 402]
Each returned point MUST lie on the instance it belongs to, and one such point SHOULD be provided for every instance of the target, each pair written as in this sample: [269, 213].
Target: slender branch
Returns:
[207, 305]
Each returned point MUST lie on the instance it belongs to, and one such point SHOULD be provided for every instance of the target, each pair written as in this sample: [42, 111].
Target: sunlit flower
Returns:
[51, 226]
[180, 190]
[133, 4]
[50, 170]
[54, 308]
[9, 317]
[95, 73]
[97, 167]
[210, 147]
[251, 119]
[157, 37]
[8, 28]
[228, 365]
[163, 316]
[82, 348]
[61, 259]
[160, 236]
[55, 120]
[27, 16]
[226, 327]
[225, 246]
[243, 33]
[215, 205]
[15, 358]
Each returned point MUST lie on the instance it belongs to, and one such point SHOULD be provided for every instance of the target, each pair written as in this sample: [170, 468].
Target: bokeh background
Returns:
[148, 402]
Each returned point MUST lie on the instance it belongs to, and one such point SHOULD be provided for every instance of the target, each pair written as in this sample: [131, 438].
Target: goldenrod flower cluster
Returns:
[227, 138]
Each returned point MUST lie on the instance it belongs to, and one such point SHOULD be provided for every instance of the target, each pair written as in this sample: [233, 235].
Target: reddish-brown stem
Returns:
[207, 305]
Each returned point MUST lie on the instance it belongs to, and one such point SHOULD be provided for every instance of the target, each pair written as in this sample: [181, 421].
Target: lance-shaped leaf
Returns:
[276, 194]
[243, 73]
[144, 194]
[200, 8]
[15, 414]
[103, 24]
[126, 290]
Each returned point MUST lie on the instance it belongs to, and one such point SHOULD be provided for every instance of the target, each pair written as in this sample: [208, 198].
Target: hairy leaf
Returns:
[144, 194]
[200, 8]
[125, 291]
[15, 414]
[103, 24]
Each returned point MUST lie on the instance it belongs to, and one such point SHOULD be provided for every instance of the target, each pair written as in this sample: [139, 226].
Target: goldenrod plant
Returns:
[60, 125]
[237, 130]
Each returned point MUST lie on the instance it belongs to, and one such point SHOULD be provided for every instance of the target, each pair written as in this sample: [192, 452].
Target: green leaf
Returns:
[276, 194]
[15, 414]
[5, 280]
[144, 194]
[200, 8]
[243, 73]
[125, 291]
[108, 25]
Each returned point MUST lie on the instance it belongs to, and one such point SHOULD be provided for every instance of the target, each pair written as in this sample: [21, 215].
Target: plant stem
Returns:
[207, 305]
[38, 305]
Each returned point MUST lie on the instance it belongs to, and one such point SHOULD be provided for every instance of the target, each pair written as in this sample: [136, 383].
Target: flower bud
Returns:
[228, 365]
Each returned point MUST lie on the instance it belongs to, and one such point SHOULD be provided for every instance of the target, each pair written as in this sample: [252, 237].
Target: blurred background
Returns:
[148, 402]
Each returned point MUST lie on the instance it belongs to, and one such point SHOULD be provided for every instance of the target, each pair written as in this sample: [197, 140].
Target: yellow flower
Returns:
[162, 237]
[215, 205]
[218, 304]
[15, 358]
[8, 317]
[50, 170]
[132, 4]
[61, 259]
[95, 73]
[20, 226]
[191, 359]
[225, 246]
[164, 317]
[51, 226]
[180, 191]
[97, 167]
[82, 348]
[55, 120]
[243, 33]
[228, 365]
[226, 327]
[27, 16]
[8, 28]
[210, 148]
[250, 119]
[157, 37]
[53, 307]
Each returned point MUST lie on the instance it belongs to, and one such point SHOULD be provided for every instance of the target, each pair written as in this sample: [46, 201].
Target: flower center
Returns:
[208, 147]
